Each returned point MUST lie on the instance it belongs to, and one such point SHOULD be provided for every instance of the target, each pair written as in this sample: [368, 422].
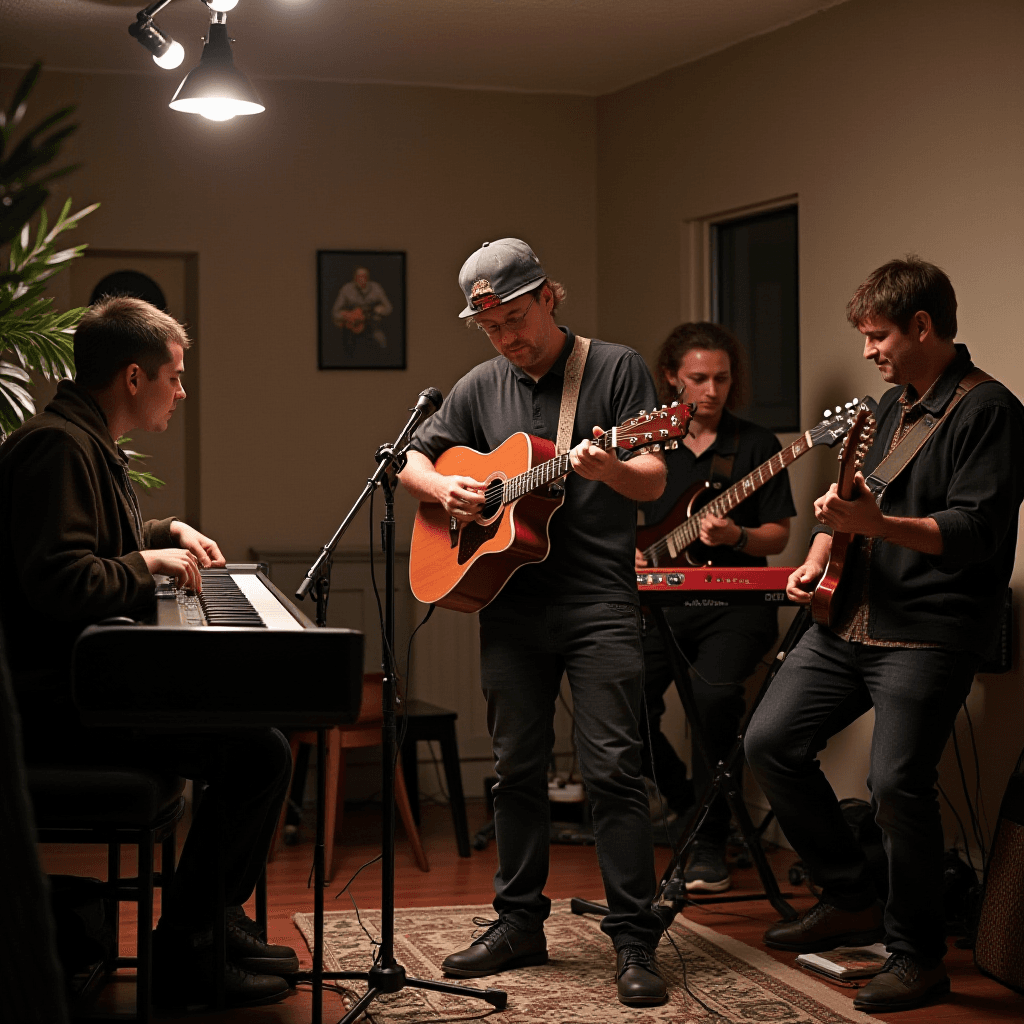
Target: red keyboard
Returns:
[714, 587]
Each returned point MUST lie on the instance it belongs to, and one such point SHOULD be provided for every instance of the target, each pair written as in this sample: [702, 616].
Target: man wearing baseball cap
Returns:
[576, 612]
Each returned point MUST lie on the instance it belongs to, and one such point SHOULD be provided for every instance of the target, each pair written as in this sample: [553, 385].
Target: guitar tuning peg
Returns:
[828, 413]
[838, 409]
[855, 402]
[655, 447]
[673, 405]
[643, 412]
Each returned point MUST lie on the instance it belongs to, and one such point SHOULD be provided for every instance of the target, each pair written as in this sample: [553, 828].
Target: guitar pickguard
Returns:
[474, 535]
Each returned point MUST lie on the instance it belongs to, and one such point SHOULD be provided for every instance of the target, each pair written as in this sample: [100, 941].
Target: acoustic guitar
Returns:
[464, 564]
[669, 542]
[824, 606]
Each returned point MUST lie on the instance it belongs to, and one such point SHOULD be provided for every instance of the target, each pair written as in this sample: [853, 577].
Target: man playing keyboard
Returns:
[75, 551]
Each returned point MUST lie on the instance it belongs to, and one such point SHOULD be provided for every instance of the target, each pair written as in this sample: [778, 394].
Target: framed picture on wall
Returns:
[361, 309]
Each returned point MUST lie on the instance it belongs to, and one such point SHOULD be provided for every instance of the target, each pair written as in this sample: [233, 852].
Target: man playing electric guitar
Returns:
[723, 646]
[575, 612]
[923, 603]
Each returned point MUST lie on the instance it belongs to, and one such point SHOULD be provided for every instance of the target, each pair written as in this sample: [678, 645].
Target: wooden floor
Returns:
[453, 880]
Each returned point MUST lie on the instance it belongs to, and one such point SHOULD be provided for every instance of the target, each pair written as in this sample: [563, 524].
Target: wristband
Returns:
[742, 542]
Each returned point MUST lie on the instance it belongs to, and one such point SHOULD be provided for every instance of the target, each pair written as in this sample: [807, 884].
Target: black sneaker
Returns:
[706, 870]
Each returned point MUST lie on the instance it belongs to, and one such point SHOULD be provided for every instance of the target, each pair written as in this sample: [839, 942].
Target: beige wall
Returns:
[897, 125]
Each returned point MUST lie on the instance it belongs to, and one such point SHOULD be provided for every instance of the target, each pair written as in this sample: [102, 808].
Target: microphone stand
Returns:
[386, 974]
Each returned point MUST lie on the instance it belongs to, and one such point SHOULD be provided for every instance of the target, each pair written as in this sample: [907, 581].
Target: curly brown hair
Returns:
[708, 336]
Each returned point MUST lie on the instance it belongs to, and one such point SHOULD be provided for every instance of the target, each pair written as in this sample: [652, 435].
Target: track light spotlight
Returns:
[166, 52]
[223, 6]
[216, 88]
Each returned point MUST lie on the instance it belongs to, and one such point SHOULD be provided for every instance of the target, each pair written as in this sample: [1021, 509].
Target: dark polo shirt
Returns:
[593, 534]
[749, 445]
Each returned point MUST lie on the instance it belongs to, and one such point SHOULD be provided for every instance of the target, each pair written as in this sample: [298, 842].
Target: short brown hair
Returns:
[120, 330]
[899, 289]
[708, 336]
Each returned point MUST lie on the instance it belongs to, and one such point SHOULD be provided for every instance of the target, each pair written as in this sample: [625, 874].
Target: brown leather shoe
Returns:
[501, 948]
[826, 927]
[902, 984]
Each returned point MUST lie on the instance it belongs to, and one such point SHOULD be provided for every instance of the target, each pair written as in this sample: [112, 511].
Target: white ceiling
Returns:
[587, 47]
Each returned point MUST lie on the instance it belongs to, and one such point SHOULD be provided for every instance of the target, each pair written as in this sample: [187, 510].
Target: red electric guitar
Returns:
[667, 542]
[824, 607]
[463, 565]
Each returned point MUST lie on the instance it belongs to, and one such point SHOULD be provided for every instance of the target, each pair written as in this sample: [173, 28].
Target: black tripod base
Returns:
[382, 980]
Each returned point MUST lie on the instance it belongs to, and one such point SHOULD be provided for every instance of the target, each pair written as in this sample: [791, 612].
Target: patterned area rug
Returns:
[735, 982]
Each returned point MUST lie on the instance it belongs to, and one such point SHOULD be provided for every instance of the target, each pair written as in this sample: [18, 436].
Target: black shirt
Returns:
[969, 478]
[750, 445]
[593, 534]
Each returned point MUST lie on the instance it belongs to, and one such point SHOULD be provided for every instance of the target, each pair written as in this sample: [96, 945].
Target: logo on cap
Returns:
[482, 295]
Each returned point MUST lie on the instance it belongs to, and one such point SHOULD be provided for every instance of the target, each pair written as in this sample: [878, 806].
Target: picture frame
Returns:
[360, 309]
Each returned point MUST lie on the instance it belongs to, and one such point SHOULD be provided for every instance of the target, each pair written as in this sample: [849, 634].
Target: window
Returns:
[754, 292]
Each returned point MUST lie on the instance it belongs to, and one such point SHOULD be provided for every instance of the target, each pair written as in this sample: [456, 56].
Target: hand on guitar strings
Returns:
[861, 515]
[718, 530]
[461, 496]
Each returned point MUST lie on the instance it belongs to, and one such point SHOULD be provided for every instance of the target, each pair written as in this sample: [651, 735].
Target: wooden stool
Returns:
[364, 732]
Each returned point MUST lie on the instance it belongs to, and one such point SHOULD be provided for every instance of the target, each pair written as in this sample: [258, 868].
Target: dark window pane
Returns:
[755, 295]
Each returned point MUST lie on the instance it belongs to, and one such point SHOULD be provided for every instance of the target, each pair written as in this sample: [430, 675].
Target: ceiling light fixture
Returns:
[215, 88]
[166, 52]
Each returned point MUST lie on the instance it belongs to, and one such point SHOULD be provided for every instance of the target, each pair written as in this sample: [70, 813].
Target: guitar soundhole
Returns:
[492, 499]
[473, 535]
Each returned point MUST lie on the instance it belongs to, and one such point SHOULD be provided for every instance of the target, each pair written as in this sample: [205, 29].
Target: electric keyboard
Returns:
[714, 586]
[239, 654]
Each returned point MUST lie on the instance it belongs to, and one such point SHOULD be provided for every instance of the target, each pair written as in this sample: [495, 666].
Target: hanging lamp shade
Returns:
[216, 88]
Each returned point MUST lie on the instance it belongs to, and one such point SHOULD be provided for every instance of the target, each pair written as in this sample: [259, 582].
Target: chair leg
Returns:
[405, 810]
[334, 797]
[144, 931]
[453, 776]
[114, 881]
[261, 903]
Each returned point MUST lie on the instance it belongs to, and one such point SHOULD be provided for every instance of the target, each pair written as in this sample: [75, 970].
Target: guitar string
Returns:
[687, 532]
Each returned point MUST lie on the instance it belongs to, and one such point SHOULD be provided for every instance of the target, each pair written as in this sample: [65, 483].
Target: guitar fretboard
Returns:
[682, 536]
[546, 473]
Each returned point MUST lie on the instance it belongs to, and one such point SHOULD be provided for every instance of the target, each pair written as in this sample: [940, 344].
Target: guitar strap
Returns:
[914, 440]
[571, 393]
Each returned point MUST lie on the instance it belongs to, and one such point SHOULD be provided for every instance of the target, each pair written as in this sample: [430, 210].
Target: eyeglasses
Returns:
[513, 324]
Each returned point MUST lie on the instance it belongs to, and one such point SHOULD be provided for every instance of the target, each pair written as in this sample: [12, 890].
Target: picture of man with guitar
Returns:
[934, 514]
[702, 362]
[575, 612]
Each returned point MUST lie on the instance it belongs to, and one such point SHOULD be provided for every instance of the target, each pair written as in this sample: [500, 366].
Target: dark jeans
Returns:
[723, 647]
[823, 686]
[247, 775]
[524, 652]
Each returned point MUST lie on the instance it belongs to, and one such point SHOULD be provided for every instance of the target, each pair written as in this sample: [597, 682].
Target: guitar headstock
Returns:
[856, 446]
[652, 431]
[837, 422]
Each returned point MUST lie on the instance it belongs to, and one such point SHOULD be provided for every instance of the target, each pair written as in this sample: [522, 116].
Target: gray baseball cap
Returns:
[498, 272]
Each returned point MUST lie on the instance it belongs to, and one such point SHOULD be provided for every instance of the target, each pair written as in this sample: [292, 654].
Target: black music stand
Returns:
[723, 780]
[386, 975]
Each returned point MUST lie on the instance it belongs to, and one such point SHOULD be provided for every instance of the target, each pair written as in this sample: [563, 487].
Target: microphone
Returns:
[428, 402]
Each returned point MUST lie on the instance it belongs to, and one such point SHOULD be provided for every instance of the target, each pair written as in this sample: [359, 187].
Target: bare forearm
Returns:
[641, 479]
[420, 478]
